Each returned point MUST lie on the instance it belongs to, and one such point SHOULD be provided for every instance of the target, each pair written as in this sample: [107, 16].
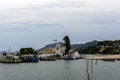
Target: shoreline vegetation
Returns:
[102, 47]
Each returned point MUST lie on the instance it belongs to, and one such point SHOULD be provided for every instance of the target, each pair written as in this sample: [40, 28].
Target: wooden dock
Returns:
[91, 58]
[103, 57]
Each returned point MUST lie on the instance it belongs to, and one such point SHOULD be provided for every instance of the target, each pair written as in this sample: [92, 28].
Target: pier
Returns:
[101, 57]
[89, 62]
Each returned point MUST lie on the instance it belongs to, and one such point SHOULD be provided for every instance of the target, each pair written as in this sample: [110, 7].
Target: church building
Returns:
[58, 50]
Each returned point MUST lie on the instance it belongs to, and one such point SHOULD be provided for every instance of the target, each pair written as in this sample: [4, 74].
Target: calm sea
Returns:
[59, 70]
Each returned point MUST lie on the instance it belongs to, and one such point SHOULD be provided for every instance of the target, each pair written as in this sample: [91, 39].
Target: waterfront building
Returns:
[74, 54]
[57, 50]
[47, 52]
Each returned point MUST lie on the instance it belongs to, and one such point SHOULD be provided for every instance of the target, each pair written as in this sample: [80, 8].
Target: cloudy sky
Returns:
[35, 23]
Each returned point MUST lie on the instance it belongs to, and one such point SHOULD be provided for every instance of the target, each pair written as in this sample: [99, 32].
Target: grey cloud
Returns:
[74, 4]
[27, 26]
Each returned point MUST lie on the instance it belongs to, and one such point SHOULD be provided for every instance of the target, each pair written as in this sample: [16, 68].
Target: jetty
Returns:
[90, 58]
[103, 57]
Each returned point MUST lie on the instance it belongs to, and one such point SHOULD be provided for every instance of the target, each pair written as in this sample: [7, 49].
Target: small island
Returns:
[66, 51]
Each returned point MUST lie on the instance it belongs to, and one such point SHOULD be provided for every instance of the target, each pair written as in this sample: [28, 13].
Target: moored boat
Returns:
[47, 59]
[68, 58]
[29, 58]
[10, 59]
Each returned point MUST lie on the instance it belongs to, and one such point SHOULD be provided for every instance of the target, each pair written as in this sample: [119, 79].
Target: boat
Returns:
[8, 59]
[29, 58]
[68, 58]
[47, 59]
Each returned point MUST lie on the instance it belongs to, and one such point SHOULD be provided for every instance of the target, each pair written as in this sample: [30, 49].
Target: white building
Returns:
[74, 54]
[58, 50]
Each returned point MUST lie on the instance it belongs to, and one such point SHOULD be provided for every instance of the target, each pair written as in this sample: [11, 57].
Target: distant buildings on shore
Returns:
[57, 50]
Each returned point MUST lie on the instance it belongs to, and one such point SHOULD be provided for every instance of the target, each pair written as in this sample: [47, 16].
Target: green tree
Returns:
[28, 50]
[67, 44]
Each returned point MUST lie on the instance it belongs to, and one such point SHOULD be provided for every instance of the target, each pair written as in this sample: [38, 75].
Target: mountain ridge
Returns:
[73, 46]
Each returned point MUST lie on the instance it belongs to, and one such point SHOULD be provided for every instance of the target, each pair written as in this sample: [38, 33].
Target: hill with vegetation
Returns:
[73, 46]
[102, 47]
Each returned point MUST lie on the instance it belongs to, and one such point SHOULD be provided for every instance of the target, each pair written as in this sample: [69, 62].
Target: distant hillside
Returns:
[73, 46]
[15, 52]
[50, 45]
[78, 46]
[102, 47]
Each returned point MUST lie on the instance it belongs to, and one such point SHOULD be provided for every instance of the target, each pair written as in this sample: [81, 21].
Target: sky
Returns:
[35, 23]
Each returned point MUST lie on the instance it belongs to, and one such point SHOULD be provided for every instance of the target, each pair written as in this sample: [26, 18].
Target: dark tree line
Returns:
[89, 50]
[27, 50]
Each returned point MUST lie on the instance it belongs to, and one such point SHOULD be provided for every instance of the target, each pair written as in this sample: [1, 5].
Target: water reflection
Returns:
[59, 70]
[67, 71]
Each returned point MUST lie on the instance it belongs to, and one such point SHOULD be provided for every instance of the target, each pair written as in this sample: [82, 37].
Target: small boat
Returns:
[47, 59]
[29, 58]
[68, 58]
[10, 60]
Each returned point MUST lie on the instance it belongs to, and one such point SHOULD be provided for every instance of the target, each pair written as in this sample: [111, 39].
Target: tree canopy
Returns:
[27, 50]
[67, 44]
